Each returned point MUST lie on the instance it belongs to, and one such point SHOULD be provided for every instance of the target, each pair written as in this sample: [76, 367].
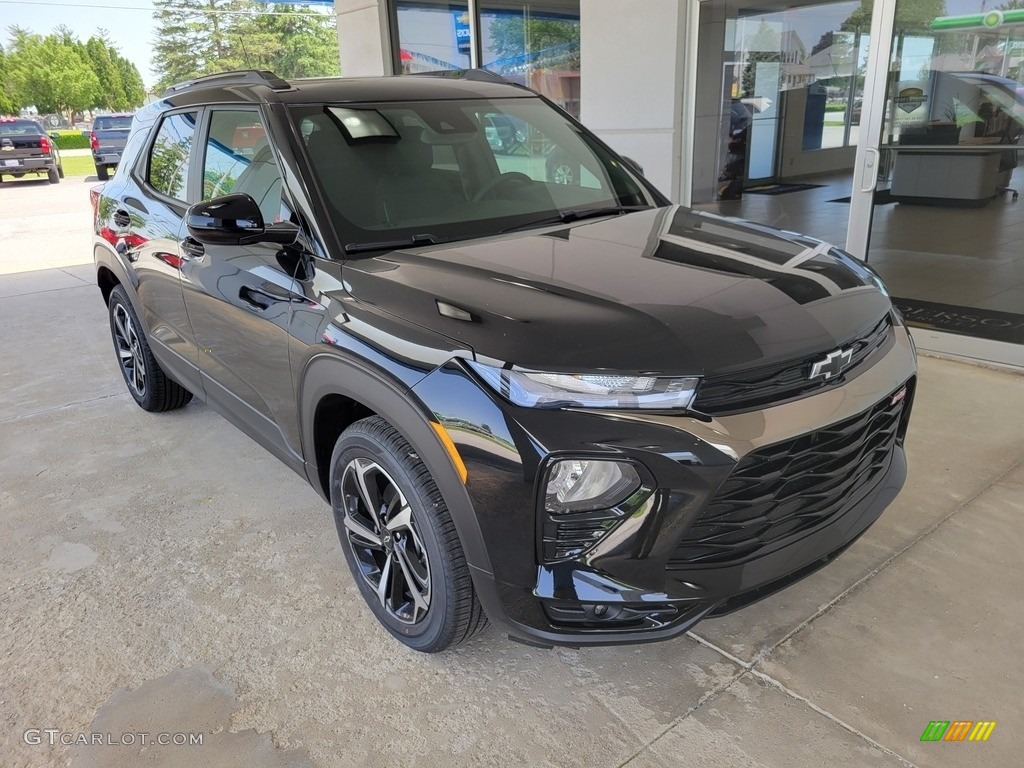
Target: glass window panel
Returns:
[239, 159]
[168, 159]
[432, 36]
[537, 45]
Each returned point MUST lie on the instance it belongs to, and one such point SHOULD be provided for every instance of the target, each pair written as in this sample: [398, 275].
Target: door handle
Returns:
[870, 171]
[193, 249]
[254, 298]
[122, 219]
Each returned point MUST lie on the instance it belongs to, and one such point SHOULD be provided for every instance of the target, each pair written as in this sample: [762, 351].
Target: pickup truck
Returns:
[26, 148]
[107, 138]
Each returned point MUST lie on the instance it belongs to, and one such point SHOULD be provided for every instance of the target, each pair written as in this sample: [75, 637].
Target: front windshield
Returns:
[456, 169]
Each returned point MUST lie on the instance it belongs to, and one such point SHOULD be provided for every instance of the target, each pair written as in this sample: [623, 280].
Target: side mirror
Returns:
[634, 165]
[55, 136]
[235, 220]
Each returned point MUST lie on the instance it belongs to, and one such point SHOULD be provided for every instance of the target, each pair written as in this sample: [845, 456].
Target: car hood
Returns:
[670, 290]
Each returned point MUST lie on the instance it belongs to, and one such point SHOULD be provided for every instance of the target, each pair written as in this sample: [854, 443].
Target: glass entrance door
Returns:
[936, 209]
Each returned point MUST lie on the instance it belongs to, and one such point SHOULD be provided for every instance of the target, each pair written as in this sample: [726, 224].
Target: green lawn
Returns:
[78, 166]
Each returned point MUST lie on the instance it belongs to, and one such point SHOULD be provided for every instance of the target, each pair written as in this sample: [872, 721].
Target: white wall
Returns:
[794, 161]
[363, 38]
[631, 87]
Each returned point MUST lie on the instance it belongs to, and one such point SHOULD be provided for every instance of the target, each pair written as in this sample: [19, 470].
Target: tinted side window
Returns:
[130, 154]
[168, 160]
[238, 158]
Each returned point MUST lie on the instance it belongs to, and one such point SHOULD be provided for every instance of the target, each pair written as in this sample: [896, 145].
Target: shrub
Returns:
[72, 140]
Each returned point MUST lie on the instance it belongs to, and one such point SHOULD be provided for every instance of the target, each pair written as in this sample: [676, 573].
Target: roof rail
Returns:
[239, 76]
[483, 75]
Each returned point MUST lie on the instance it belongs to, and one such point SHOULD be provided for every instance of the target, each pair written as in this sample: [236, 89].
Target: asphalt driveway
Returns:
[163, 575]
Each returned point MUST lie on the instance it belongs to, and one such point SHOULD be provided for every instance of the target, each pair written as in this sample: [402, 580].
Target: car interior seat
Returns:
[262, 181]
[410, 187]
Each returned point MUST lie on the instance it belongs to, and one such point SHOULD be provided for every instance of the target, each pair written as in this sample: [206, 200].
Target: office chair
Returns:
[998, 123]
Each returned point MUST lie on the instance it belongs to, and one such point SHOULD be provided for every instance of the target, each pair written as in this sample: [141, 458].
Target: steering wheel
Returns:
[497, 181]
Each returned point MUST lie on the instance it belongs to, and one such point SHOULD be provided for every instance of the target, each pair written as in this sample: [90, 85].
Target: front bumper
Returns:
[631, 586]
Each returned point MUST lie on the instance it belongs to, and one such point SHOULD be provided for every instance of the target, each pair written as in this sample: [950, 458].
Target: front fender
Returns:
[332, 374]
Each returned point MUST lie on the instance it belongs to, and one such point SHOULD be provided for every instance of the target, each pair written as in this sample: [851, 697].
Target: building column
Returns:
[364, 39]
[633, 59]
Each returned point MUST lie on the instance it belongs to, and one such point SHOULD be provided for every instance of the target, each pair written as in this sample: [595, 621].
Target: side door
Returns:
[149, 209]
[239, 297]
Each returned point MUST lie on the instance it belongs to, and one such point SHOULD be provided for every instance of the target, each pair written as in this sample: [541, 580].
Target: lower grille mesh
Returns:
[793, 486]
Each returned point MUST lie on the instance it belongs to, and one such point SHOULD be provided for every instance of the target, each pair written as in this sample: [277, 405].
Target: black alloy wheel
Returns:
[148, 385]
[382, 535]
[399, 539]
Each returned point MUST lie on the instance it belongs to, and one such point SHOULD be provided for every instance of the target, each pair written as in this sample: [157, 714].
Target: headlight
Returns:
[575, 485]
[537, 389]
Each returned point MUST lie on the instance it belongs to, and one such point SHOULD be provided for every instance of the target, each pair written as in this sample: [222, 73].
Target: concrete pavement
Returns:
[164, 574]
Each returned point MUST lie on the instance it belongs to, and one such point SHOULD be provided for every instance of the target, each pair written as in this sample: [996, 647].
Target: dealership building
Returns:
[893, 128]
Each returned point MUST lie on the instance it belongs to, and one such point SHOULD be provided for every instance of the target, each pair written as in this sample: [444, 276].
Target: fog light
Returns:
[576, 485]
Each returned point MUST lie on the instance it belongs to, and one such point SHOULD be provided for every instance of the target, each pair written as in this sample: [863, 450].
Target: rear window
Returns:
[19, 127]
[119, 123]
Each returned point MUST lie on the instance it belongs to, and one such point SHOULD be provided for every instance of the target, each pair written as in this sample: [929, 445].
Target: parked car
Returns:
[504, 133]
[578, 411]
[561, 167]
[107, 139]
[26, 148]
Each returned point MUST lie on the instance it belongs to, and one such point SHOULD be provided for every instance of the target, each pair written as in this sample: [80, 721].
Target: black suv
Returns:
[574, 409]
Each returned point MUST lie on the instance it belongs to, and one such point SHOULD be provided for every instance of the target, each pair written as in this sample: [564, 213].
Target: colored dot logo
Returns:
[992, 19]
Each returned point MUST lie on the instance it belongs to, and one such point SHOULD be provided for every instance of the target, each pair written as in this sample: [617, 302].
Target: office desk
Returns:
[965, 174]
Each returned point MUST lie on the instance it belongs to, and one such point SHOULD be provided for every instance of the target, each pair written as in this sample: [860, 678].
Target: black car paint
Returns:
[27, 150]
[623, 293]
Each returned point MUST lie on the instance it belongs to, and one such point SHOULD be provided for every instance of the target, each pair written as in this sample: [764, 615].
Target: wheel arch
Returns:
[107, 281]
[336, 391]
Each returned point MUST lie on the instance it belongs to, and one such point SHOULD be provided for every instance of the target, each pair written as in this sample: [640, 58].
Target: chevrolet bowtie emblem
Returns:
[831, 365]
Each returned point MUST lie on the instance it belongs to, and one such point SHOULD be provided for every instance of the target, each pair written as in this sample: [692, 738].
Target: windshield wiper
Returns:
[566, 217]
[394, 245]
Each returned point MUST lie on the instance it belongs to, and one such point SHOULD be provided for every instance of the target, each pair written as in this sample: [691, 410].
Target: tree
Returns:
[111, 93]
[10, 101]
[198, 37]
[513, 35]
[295, 44]
[191, 39]
[134, 90]
[911, 15]
[764, 46]
[50, 73]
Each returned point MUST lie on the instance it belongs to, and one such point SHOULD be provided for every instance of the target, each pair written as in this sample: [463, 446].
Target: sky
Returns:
[128, 22]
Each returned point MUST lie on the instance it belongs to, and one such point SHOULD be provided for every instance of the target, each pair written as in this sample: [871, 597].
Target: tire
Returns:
[563, 170]
[147, 383]
[102, 172]
[60, 170]
[53, 176]
[428, 602]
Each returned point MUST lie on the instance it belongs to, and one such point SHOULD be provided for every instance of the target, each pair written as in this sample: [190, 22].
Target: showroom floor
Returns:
[162, 573]
[970, 257]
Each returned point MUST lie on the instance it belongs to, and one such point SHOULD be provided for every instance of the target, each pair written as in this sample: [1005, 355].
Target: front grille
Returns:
[774, 384]
[791, 487]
